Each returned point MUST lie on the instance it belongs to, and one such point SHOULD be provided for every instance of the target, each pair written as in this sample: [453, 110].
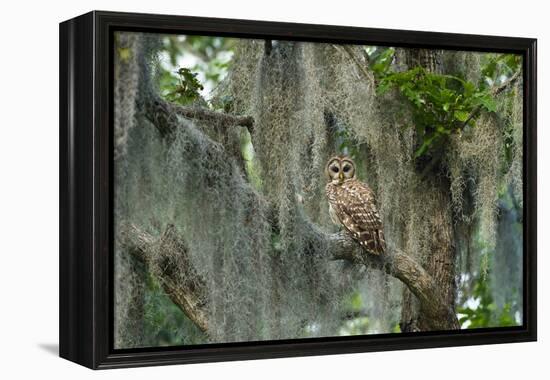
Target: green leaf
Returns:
[461, 115]
[488, 103]
[469, 89]
[441, 130]
[424, 147]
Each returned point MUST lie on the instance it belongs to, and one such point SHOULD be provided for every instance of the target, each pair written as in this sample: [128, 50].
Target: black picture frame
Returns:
[86, 219]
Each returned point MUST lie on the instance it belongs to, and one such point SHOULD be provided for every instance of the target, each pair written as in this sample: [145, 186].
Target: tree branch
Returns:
[513, 79]
[397, 264]
[495, 91]
[159, 112]
[168, 260]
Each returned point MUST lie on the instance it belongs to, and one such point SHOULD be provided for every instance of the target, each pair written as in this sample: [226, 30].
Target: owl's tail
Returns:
[373, 241]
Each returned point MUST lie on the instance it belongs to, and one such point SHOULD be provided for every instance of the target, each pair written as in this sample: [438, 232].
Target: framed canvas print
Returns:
[236, 189]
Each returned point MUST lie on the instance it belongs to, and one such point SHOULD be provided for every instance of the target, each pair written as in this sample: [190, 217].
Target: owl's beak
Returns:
[341, 176]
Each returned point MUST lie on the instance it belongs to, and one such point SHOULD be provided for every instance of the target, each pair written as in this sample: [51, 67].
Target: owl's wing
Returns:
[359, 215]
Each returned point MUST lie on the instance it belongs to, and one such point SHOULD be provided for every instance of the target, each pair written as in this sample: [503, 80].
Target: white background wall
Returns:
[29, 187]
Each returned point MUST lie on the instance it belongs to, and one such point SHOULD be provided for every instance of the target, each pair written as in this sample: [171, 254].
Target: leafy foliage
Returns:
[187, 89]
[209, 51]
[380, 60]
[498, 68]
[164, 322]
[440, 104]
[209, 57]
[481, 309]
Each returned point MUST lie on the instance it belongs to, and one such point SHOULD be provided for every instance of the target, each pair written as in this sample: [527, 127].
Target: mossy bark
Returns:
[440, 262]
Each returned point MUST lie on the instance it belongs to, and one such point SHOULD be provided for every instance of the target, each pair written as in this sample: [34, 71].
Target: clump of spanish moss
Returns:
[130, 275]
[126, 83]
[463, 64]
[305, 99]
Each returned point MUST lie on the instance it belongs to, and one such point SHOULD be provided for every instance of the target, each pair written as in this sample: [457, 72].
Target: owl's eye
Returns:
[334, 169]
[347, 168]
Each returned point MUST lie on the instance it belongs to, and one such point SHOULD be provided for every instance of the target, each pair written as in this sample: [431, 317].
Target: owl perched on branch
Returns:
[352, 205]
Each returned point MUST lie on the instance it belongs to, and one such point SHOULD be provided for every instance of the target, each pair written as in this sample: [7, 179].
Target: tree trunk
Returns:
[440, 263]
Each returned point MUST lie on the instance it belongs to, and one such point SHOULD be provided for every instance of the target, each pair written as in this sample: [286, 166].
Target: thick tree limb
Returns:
[167, 259]
[397, 264]
[159, 112]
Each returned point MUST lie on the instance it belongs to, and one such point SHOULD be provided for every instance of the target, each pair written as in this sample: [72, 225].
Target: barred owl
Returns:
[352, 205]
